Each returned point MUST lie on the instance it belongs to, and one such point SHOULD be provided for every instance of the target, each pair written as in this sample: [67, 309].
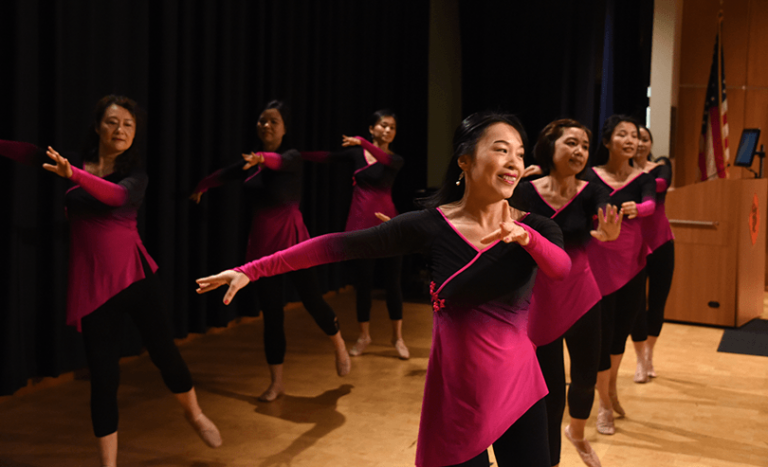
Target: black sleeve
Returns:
[647, 187]
[546, 227]
[664, 171]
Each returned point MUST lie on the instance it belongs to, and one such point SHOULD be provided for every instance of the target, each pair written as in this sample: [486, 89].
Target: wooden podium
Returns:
[720, 242]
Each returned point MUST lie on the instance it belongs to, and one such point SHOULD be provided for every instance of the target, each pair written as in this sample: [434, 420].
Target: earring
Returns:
[458, 182]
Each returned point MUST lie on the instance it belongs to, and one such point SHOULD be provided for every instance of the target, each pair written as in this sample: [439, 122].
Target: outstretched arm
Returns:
[23, 153]
[404, 234]
[380, 155]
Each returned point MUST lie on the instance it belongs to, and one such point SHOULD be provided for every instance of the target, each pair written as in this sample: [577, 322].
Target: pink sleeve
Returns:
[108, 193]
[646, 208]
[551, 259]
[272, 160]
[661, 185]
[376, 152]
[313, 252]
[23, 153]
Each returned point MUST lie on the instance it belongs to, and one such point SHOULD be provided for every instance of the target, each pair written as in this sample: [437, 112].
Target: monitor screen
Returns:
[747, 147]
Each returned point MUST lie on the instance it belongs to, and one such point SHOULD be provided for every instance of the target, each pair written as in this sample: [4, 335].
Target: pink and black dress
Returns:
[371, 193]
[482, 375]
[619, 266]
[567, 310]
[111, 274]
[273, 191]
[660, 265]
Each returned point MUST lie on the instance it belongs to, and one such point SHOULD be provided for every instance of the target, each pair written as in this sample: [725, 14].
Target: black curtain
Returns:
[202, 70]
[546, 60]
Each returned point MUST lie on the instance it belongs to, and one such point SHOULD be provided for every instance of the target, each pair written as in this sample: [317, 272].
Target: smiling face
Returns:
[623, 142]
[384, 130]
[116, 130]
[571, 152]
[644, 144]
[271, 128]
[494, 170]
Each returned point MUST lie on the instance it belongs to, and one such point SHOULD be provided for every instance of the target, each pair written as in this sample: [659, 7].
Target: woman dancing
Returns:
[376, 167]
[661, 261]
[619, 266]
[484, 385]
[561, 152]
[110, 272]
[272, 179]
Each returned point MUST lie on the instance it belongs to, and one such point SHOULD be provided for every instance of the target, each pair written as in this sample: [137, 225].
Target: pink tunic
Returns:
[482, 373]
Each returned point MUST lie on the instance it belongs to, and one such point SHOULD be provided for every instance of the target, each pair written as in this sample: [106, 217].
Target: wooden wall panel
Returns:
[689, 113]
[757, 55]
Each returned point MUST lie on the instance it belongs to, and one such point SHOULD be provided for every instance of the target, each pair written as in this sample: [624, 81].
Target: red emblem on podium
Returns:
[754, 220]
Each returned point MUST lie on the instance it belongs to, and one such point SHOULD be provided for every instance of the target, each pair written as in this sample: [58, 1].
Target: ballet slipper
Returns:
[402, 350]
[360, 346]
[270, 394]
[616, 406]
[604, 423]
[343, 362]
[587, 454]
[206, 430]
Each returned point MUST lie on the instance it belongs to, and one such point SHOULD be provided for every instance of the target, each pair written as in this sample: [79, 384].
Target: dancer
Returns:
[561, 152]
[619, 266]
[272, 179]
[376, 167]
[661, 261]
[110, 271]
[484, 385]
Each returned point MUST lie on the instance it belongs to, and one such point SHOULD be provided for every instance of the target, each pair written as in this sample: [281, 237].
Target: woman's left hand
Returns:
[531, 170]
[61, 166]
[252, 159]
[382, 217]
[608, 225]
[236, 281]
[349, 141]
[508, 231]
[630, 209]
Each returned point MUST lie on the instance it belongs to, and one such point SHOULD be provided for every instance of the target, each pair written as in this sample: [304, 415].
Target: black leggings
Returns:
[583, 340]
[619, 311]
[523, 444]
[142, 300]
[270, 293]
[660, 268]
[364, 276]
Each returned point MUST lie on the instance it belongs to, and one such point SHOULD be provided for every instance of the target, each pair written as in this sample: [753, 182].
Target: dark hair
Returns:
[650, 135]
[381, 113]
[544, 150]
[130, 158]
[285, 114]
[465, 139]
[610, 124]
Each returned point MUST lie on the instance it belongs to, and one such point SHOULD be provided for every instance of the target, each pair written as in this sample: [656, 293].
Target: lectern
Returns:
[719, 229]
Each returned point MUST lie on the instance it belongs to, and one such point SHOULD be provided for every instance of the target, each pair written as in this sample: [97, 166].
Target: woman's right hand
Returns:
[349, 141]
[62, 168]
[531, 170]
[382, 217]
[196, 196]
[252, 159]
[236, 281]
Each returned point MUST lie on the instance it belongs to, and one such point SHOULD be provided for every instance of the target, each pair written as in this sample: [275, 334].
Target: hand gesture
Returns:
[608, 225]
[61, 166]
[196, 196]
[531, 170]
[630, 209]
[236, 281]
[508, 231]
[252, 159]
[349, 141]
[382, 217]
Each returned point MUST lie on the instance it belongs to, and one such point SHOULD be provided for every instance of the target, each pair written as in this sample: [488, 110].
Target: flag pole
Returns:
[720, 84]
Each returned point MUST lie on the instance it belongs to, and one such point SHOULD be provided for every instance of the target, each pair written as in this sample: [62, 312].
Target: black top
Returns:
[663, 171]
[639, 189]
[575, 219]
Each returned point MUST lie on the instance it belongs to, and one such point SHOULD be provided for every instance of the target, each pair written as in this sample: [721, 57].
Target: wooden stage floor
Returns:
[705, 409]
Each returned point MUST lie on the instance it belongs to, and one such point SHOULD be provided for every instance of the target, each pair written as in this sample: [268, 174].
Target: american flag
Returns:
[713, 142]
